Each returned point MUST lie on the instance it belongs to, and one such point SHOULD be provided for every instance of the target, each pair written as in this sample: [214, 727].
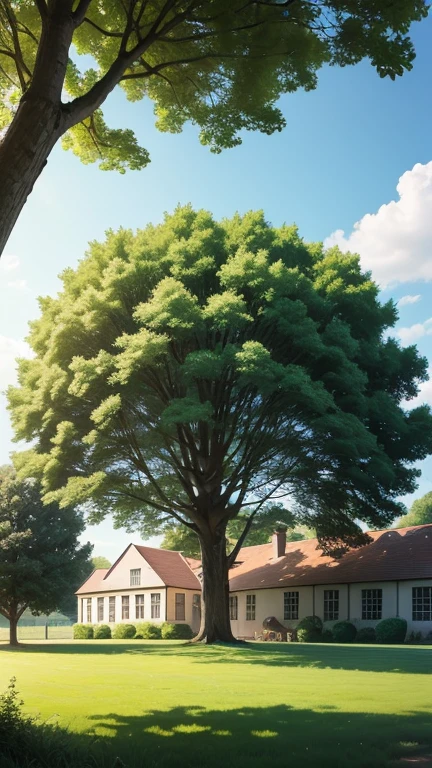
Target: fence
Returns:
[47, 631]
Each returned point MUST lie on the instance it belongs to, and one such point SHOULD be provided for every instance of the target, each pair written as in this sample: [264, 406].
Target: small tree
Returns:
[221, 64]
[197, 370]
[40, 556]
[420, 512]
[100, 562]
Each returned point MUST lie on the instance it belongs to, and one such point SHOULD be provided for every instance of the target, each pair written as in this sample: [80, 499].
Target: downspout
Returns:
[166, 603]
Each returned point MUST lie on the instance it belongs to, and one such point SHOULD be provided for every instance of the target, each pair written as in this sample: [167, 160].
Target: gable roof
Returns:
[393, 555]
[170, 566]
[94, 581]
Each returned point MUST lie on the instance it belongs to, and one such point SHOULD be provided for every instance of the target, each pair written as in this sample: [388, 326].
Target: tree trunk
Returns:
[215, 621]
[13, 626]
[24, 151]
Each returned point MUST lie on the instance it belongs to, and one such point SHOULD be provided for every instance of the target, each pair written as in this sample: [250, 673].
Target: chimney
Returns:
[279, 542]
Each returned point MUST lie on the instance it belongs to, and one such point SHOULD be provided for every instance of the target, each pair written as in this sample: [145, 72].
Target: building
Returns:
[144, 584]
[391, 576]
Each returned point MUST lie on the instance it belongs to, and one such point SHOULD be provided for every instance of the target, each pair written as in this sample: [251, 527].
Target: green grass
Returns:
[159, 704]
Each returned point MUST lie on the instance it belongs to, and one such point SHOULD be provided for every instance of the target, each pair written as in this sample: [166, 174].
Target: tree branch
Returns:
[80, 12]
[105, 32]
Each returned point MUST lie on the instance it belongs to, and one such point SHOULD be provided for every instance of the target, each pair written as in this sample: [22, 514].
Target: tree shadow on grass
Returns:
[254, 737]
[368, 658]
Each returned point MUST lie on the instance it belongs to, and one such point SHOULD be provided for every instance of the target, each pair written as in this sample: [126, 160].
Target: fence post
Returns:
[46, 630]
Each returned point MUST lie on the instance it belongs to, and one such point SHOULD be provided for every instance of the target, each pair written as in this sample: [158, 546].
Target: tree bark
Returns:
[215, 621]
[13, 626]
[24, 151]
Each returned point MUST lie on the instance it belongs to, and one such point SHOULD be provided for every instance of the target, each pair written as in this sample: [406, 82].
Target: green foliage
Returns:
[101, 562]
[124, 632]
[148, 631]
[41, 560]
[391, 631]
[102, 632]
[308, 399]
[344, 632]
[309, 630]
[326, 636]
[176, 631]
[83, 631]
[223, 72]
[366, 635]
[420, 512]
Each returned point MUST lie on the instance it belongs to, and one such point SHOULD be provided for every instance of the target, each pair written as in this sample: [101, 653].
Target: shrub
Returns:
[309, 630]
[344, 632]
[148, 631]
[124, 632]
[83, 631]
[326, 636]
[366, 635]
[391, 631]
[176, 631]
[102, 632]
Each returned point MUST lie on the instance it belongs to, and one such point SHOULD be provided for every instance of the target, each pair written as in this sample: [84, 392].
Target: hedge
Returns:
[83, 631]
[366, 635]
[391, 631]
[102, 632]
[148, 631]
[309, 630]
[176, 631]
[344, 632]
[124, 632]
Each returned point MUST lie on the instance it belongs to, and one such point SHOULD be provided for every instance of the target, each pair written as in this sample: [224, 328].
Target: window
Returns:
[82, 611]
[291, 605]
[89, 611]
[250, 607]
[371, 603]
[139, 606]
[331, 604]
[135, 577]
[422, 603]
[233, 607]
[111, 609]
[100, 609]
[125, 606]
[155, 605]
[180, 606]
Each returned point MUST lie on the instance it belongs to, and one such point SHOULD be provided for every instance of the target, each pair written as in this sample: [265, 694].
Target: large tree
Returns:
[41, 560]
[221, 64]
[420, 512]
[197, 369]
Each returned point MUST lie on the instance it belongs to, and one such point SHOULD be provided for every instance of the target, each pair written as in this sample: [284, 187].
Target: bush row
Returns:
[389, 631]
[142, 631]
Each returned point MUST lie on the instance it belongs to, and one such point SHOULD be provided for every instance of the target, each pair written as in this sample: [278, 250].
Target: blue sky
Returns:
[358, 149]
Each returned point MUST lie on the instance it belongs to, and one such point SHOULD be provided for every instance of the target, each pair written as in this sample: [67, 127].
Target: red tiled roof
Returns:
[171, 567]
[396, 554]
[94, 582]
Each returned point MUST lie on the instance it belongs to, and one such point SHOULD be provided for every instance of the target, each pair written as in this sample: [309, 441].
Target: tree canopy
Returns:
[100, 562]
[41, 560]
[420, 512]
[198, 369]
[221, 64]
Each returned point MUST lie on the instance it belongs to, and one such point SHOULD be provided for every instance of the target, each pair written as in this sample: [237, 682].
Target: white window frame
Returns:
[155, 605]
[331, 605]
[422, 603]
[372, 600]
[100, 609]
[125, 607]
[89, 610]
[233, 607]
[135, 577]
[291, 605]
[139, 606]
[250, 607]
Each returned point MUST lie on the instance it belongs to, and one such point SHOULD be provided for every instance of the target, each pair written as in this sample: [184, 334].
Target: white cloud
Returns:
[9, 262]
[424, 396]
[412, 333]
[10, 349]
[409, 299]
[395, 243]
[18, 285]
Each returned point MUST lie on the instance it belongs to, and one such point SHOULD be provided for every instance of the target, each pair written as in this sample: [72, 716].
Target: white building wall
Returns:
[119, 578]
[118, 606]
[270, 602]
[191, 617]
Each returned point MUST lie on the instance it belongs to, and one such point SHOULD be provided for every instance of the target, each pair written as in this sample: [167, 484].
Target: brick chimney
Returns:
[279, 542]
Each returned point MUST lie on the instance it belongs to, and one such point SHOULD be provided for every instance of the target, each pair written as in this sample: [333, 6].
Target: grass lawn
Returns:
[160, 704]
